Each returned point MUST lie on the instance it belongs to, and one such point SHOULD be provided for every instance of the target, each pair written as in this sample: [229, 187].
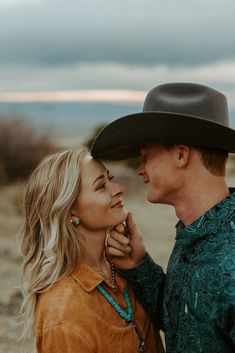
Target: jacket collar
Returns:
[86, 277]
[89, 279]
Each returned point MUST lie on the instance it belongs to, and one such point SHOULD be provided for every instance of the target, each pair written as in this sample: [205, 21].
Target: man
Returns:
[184, 139]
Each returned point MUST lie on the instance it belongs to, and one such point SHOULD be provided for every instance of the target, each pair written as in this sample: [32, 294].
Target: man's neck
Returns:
[200, 198]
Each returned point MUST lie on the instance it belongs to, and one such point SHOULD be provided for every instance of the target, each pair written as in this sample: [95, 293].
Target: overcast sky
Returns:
[134, 44]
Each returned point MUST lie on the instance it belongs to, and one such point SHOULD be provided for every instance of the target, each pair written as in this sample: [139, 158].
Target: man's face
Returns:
[158, 172]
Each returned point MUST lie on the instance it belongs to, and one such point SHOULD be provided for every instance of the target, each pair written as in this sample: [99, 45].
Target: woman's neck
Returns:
[93, 253]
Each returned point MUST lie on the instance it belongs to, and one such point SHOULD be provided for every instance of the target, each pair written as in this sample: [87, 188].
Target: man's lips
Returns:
[146, 181]
[118, 204]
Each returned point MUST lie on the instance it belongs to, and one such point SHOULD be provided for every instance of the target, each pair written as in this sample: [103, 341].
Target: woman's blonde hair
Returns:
[49, 242]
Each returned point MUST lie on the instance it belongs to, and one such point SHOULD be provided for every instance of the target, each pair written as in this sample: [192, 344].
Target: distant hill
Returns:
[68, 119]
[75, 119]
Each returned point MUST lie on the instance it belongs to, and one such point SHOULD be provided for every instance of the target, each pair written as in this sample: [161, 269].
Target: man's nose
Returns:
[140, 169]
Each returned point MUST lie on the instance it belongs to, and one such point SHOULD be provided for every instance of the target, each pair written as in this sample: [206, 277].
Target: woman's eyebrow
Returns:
[100, 177]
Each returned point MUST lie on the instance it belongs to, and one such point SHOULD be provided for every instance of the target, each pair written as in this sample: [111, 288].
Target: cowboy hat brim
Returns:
[123, 138]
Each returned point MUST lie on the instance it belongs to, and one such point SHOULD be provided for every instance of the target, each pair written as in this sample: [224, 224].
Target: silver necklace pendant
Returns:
[139, 336]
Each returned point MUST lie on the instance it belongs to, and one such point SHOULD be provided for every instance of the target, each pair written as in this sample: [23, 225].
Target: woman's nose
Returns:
[118, 189]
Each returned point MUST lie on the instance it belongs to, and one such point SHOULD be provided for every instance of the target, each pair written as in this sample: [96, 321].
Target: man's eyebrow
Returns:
[100, 177]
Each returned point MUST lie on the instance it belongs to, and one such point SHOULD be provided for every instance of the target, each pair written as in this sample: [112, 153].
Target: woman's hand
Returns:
[124, 245]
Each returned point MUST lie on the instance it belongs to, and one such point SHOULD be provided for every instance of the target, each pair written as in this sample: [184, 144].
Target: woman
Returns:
[74, 300]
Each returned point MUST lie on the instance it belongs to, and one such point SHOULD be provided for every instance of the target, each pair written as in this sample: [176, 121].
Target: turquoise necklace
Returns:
[125, 315]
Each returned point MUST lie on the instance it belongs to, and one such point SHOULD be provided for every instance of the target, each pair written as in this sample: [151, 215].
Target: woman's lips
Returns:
[119, 204]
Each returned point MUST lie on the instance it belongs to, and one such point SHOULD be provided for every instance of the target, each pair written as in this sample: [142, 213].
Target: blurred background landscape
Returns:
[67, 67]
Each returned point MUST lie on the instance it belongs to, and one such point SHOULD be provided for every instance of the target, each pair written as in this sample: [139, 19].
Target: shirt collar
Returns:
[89, 279]
[207, 224]
[86, 277]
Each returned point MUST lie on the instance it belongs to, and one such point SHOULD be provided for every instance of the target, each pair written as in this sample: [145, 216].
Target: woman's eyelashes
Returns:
[103, 185]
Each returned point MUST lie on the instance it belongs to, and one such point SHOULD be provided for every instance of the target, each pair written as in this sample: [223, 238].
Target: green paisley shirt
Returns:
[194, 303]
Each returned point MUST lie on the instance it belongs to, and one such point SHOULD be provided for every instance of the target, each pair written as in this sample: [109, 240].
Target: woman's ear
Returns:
[181, 155]
[73, 215]
[74, 210]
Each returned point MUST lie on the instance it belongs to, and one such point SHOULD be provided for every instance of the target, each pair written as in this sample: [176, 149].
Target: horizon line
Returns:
[97, 95]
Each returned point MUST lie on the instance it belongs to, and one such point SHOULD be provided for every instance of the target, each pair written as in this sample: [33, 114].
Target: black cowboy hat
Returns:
[176, 113]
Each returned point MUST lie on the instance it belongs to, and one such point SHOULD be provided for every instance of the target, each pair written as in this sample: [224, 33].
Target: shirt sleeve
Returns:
[223, 311]
[62, 339]
[226, 320]
[148, 280]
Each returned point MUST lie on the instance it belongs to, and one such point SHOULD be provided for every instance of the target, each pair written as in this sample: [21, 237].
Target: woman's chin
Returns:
[124, 214]
[120, 218]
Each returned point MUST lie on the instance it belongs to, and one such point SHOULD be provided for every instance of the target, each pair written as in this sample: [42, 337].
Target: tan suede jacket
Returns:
[73, 317]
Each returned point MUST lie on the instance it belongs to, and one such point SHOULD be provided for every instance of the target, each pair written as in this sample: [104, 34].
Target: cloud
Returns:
[114, 96]
[70, 82]
[7, 3]
[61, 45]
[113, 75]
[61, 32]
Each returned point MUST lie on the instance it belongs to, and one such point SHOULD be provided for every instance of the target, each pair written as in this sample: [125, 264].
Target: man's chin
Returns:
[152, 198]
[158, 199]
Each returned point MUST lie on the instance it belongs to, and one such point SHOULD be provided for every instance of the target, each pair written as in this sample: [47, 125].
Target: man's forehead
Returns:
[150, 145]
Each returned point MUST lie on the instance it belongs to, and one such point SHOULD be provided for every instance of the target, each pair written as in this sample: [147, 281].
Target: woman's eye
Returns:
[102, 186]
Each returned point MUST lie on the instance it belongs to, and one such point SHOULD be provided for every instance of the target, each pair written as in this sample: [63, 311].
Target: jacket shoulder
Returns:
[52, 305]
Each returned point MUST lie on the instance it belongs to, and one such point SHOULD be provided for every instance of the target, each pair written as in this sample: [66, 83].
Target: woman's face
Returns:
[100, 204]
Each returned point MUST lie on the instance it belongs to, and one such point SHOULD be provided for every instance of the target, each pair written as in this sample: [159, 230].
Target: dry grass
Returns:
[22, 147]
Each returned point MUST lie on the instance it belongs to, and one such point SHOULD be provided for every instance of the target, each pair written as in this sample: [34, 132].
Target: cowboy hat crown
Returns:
[177, 113]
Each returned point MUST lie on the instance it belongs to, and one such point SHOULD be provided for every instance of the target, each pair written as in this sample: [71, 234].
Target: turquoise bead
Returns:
[127, 316]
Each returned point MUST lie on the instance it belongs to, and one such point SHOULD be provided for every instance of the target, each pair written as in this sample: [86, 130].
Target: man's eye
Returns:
[102, 186]
[111, 177]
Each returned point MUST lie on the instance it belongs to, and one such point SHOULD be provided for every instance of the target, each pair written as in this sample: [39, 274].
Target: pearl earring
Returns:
[75, 221]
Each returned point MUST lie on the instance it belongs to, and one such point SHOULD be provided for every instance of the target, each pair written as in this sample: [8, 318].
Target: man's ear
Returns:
[181, 155]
